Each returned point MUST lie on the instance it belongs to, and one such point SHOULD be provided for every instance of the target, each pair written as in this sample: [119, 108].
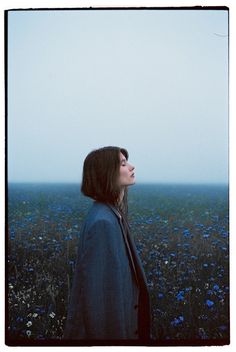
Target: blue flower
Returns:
[223, 248]
[180, 296]
[194, 257]
[199, 225]
[19, 319]
[188, 289]
[186, 233]
[224, 234]
[186, 245]
[177, 321]
[209, 303]
[210, 292]
[160, 295]
[223, 327]
[190, 270]
[216, 287]
[68, 238]
[40, 310]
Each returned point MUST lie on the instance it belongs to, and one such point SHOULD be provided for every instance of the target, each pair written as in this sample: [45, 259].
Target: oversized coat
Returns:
[109, 298]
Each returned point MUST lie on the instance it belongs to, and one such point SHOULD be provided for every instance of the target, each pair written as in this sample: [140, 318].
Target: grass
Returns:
[181, 232]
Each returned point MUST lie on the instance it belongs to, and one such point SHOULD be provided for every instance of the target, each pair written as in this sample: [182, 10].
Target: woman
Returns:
[109, 297]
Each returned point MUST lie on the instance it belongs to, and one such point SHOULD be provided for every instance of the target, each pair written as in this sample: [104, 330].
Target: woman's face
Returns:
[126, 176]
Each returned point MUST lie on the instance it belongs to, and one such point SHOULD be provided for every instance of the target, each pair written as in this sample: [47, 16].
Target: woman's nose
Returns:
[131, 167]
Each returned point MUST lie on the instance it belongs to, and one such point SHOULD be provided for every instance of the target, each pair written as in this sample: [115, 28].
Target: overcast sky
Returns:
[153, 81]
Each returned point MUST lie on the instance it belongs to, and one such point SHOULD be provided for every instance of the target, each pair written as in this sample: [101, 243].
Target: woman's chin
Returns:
[132, 182]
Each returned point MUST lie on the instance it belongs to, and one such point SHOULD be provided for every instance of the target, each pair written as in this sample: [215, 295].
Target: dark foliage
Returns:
[181, 234]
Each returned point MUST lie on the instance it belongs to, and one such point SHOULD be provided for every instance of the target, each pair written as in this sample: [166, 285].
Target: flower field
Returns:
[181, 232]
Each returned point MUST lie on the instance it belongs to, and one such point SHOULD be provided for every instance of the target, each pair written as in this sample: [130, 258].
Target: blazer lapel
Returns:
[139, 267]
[126, 242]
[144, 313]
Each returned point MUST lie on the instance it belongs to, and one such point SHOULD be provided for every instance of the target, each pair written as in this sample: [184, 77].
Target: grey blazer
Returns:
[109, 284]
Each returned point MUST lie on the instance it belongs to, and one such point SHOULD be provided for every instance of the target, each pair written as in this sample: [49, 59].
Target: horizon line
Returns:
[136, 184]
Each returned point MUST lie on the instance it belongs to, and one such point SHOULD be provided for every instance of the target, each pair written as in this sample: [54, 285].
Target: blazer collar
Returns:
[115, 211]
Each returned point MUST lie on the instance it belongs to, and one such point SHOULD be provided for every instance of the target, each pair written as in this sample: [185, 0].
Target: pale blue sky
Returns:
[154, 82]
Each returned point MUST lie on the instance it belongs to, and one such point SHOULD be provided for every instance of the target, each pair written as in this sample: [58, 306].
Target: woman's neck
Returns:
[122, 192]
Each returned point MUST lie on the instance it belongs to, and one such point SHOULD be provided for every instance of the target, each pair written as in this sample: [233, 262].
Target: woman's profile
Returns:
[109, 299]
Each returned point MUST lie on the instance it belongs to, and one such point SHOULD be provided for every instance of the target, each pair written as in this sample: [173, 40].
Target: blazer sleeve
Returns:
[103, 294]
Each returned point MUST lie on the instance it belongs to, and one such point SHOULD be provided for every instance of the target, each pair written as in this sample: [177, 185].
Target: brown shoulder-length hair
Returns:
[100, 176]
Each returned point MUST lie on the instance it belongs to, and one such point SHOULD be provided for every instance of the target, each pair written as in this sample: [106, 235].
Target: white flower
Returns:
[35, 315]
[52, 315]
[29, 323]
[28, 333]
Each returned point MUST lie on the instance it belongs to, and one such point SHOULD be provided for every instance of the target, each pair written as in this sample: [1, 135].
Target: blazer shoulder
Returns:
[101, 213]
